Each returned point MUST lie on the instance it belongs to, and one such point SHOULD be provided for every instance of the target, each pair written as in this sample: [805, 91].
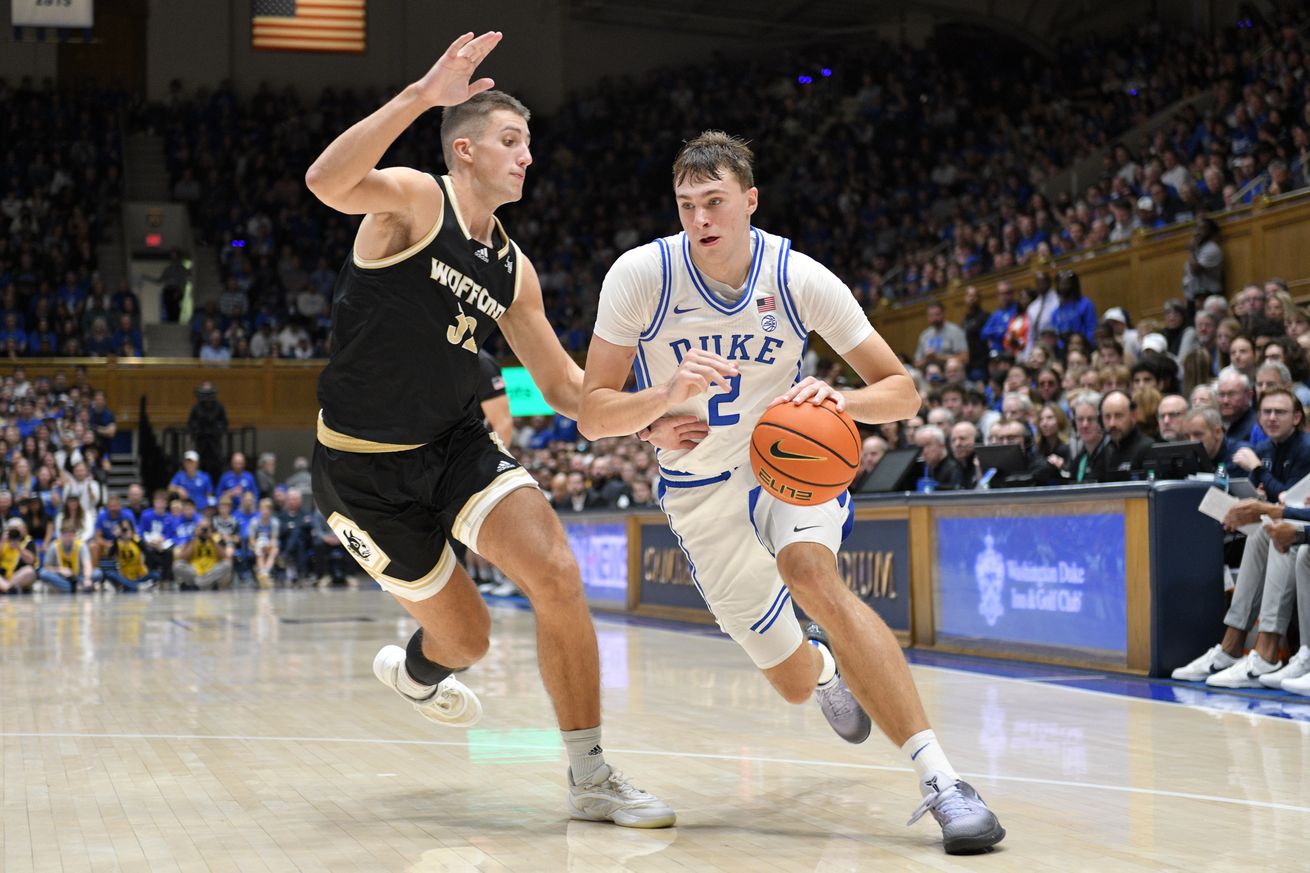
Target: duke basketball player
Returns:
[715, 321]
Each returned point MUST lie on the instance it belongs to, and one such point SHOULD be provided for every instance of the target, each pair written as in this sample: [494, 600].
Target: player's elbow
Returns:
[321, 184]
[905, 397]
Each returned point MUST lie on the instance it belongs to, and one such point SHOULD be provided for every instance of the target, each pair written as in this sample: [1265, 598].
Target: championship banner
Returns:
[308, 25]
[53, 13]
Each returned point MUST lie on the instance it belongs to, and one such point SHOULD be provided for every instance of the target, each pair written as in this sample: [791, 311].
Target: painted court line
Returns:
[377, 741]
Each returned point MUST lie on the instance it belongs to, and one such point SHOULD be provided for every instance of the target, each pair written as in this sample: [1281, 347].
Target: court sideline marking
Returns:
[1031, 780]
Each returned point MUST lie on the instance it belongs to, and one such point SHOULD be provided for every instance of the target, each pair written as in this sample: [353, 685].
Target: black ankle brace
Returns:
[419, 667]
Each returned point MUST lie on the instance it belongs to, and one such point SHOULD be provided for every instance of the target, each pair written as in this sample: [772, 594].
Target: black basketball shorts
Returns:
[397, 512]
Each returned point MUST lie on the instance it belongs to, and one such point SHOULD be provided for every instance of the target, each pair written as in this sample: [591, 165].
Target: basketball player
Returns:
[716, 320]
[403, 465]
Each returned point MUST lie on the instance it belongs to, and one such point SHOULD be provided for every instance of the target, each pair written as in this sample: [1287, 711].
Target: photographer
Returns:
[67, 561]
[108, 520]
[17, 560]
[127, 557]
[204, 560]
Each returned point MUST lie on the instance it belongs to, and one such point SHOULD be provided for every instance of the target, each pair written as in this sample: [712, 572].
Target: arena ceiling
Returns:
[1037, 22]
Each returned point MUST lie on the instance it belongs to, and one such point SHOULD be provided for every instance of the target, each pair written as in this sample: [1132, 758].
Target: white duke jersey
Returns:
[656, 300]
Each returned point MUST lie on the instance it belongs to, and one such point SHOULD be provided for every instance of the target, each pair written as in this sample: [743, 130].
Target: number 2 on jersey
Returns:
[464, 324]
[721, 419]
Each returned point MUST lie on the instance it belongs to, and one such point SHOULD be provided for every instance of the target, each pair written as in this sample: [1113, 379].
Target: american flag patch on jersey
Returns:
[765, 304]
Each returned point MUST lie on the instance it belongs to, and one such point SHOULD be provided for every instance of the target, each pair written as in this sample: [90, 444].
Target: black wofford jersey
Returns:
[406, 332]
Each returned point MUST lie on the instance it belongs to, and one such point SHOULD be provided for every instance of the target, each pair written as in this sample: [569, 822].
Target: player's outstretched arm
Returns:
[534, 343]
[346, 177]
[608, 410]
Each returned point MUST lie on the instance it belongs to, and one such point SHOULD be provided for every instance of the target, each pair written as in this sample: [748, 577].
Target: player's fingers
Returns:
[481, 85]
[482, 46]
[718, 362]
[681, 420]
[839, 399]
[800, 394]
[458, 45]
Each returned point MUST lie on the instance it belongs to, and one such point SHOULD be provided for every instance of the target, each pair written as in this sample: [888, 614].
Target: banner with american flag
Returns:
[308, 25]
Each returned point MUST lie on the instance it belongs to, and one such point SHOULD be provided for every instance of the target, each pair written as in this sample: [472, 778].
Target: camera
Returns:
[14, 534]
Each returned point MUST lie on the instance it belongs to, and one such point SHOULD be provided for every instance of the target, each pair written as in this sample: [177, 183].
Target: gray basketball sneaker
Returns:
[609, 796]
[968, 826]
[839, 705]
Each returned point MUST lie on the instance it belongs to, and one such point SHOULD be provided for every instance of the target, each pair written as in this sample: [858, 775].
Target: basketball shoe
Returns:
[839, 705]
[609, 796]
[1214, 660]
[451, 703]
[1297, 666]
[1244, 673]
[968, 826]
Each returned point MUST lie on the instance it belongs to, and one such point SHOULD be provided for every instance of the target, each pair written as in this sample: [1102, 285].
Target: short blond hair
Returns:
[709, 155]
[469, 119]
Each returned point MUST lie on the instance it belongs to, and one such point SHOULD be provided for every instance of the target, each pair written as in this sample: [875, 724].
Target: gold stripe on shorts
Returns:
[346, 443]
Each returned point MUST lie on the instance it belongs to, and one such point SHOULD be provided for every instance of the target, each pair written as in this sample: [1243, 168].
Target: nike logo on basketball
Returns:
[812, 527]
[678, 311]
[790, 456]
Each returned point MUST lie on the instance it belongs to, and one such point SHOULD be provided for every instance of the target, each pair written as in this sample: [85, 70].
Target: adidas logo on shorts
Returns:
[504, 465]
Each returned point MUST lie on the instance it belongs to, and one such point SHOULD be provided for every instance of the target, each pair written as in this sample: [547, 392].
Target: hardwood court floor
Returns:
[245, 732]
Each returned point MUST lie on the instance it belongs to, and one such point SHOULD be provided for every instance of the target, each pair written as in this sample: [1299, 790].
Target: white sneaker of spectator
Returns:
[1214, 660]
[1297, 666]
[1245, 673]
[1300, 685]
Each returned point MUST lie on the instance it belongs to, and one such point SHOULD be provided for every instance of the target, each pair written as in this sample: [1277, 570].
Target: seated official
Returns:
[937, 463]
[1170, 415]
[1039, 471]
[1091, 438]
[1283, 459]
[1205, 425]
[964, 436]
[1127, 445]
[871, 453]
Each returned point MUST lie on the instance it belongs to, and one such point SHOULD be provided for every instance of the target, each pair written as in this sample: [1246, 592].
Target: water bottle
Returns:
[1221, 477]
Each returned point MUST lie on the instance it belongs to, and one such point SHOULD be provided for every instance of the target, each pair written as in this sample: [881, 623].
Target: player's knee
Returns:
[810, 572]
[553, 577]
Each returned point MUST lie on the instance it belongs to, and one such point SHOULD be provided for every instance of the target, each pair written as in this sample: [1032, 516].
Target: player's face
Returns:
[716, 214]
[502, 154]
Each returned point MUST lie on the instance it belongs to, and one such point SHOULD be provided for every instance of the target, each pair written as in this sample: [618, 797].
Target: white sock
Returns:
[829, 669]
[585, 754]
[927, 756]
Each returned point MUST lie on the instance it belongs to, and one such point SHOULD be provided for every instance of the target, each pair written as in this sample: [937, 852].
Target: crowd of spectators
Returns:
[60, 187]
[894, 213]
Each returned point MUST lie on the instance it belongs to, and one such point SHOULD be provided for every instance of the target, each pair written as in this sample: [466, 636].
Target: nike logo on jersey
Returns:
[784, 455]
[809, 527]
[680, 311]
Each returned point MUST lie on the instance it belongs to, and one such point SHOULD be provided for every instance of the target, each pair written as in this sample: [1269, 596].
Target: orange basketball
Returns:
[805, 454]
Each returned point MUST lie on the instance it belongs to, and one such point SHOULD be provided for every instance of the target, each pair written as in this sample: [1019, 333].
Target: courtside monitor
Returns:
[895, 472]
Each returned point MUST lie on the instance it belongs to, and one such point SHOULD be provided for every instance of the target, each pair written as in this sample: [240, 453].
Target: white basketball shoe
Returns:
[451, 703]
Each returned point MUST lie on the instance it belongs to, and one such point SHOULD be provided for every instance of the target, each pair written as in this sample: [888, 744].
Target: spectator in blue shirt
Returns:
[192, 482]
[237, 481]
[128, 334]
[1076, 313]
[107, 521]
[184, 523]
[102, 422]
[1284, 458]
[993, 332]
[156, 531]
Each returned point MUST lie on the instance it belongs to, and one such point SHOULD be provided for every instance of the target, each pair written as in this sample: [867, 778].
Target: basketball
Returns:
[806, 454]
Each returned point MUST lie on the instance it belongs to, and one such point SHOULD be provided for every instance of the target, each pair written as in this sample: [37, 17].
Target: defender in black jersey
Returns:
[404, 466]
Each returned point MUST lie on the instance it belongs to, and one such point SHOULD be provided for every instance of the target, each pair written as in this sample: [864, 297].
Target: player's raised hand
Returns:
[447, 83]
[697, 372]
[812, 390]
[675, 432]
